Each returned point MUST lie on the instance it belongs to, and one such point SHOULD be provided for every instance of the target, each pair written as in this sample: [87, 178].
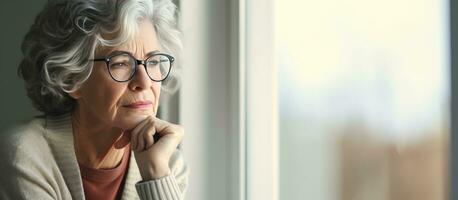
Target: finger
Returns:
[148, 136]
[139, 137]
[162, 127]
[135, 132]
[170, 132]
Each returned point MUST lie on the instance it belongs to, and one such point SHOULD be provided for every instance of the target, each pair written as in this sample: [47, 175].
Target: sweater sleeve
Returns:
[171, 187]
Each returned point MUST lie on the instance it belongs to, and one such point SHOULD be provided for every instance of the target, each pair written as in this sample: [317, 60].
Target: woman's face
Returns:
[104, 100]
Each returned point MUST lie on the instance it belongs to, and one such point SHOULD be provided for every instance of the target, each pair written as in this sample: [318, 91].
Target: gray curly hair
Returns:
[66, 33]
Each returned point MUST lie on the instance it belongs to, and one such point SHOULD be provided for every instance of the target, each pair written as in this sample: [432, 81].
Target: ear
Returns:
[75, 94]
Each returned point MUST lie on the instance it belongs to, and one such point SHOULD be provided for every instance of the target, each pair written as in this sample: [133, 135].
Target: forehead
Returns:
[143, 42]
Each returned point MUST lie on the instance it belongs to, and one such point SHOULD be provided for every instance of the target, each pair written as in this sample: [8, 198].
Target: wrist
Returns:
[155, 173]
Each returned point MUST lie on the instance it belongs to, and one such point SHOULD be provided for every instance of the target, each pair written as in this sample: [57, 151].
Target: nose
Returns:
[141, 80]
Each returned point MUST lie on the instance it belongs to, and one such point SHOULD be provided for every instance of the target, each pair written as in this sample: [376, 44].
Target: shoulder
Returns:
[24, 135]
[28, 167]
[22, 140]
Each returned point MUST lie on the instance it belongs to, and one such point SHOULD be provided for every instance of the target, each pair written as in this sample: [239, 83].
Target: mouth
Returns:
[139, 104]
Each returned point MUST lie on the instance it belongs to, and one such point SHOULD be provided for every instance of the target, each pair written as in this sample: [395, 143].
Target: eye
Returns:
[119, 65]
[153, 62]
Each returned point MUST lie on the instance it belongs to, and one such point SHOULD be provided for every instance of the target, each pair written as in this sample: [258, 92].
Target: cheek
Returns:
[102, 95]
[156, 88]
[112, 104]
[112, 96]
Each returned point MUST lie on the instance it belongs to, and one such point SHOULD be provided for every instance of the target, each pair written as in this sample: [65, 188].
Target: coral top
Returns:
[105, 183]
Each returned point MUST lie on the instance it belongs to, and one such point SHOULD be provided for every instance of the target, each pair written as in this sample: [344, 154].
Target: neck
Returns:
[94, 142]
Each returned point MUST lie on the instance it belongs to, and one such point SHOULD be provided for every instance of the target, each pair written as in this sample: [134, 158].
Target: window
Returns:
[316, 99]
[347, 99]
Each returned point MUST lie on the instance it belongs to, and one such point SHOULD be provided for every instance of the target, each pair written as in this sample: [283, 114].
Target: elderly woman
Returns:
[96, 68]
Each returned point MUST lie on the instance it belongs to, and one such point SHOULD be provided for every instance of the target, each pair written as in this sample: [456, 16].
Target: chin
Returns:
[130, 121]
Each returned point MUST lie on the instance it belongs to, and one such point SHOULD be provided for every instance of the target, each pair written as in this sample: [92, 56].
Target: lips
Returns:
[139, 104]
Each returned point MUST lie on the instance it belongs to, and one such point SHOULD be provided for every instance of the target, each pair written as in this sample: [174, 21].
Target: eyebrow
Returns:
[120, 52]
[152, 53]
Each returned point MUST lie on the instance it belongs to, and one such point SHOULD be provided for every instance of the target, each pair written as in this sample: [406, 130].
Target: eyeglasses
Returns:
[122, 66]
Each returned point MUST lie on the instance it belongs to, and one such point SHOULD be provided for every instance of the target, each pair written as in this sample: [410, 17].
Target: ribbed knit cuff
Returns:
[165, 188]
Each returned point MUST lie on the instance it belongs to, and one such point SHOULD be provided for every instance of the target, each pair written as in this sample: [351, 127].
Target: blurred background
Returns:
[292, 100]
[364, 96]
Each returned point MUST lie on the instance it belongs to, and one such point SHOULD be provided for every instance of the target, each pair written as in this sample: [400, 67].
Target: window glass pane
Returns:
[363, 99]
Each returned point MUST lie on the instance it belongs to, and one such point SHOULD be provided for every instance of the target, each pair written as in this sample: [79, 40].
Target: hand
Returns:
[153, 156]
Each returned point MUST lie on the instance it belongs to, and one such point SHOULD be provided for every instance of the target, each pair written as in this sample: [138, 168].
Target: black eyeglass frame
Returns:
[137, 63]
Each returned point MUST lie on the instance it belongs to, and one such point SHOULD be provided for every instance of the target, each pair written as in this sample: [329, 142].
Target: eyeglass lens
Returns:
[122, 67]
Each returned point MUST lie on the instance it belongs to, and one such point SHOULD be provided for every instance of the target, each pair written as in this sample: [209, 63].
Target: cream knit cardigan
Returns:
[39, 162]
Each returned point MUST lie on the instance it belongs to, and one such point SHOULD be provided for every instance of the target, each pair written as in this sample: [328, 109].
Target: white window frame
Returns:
[261, 102]
[238, 157]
